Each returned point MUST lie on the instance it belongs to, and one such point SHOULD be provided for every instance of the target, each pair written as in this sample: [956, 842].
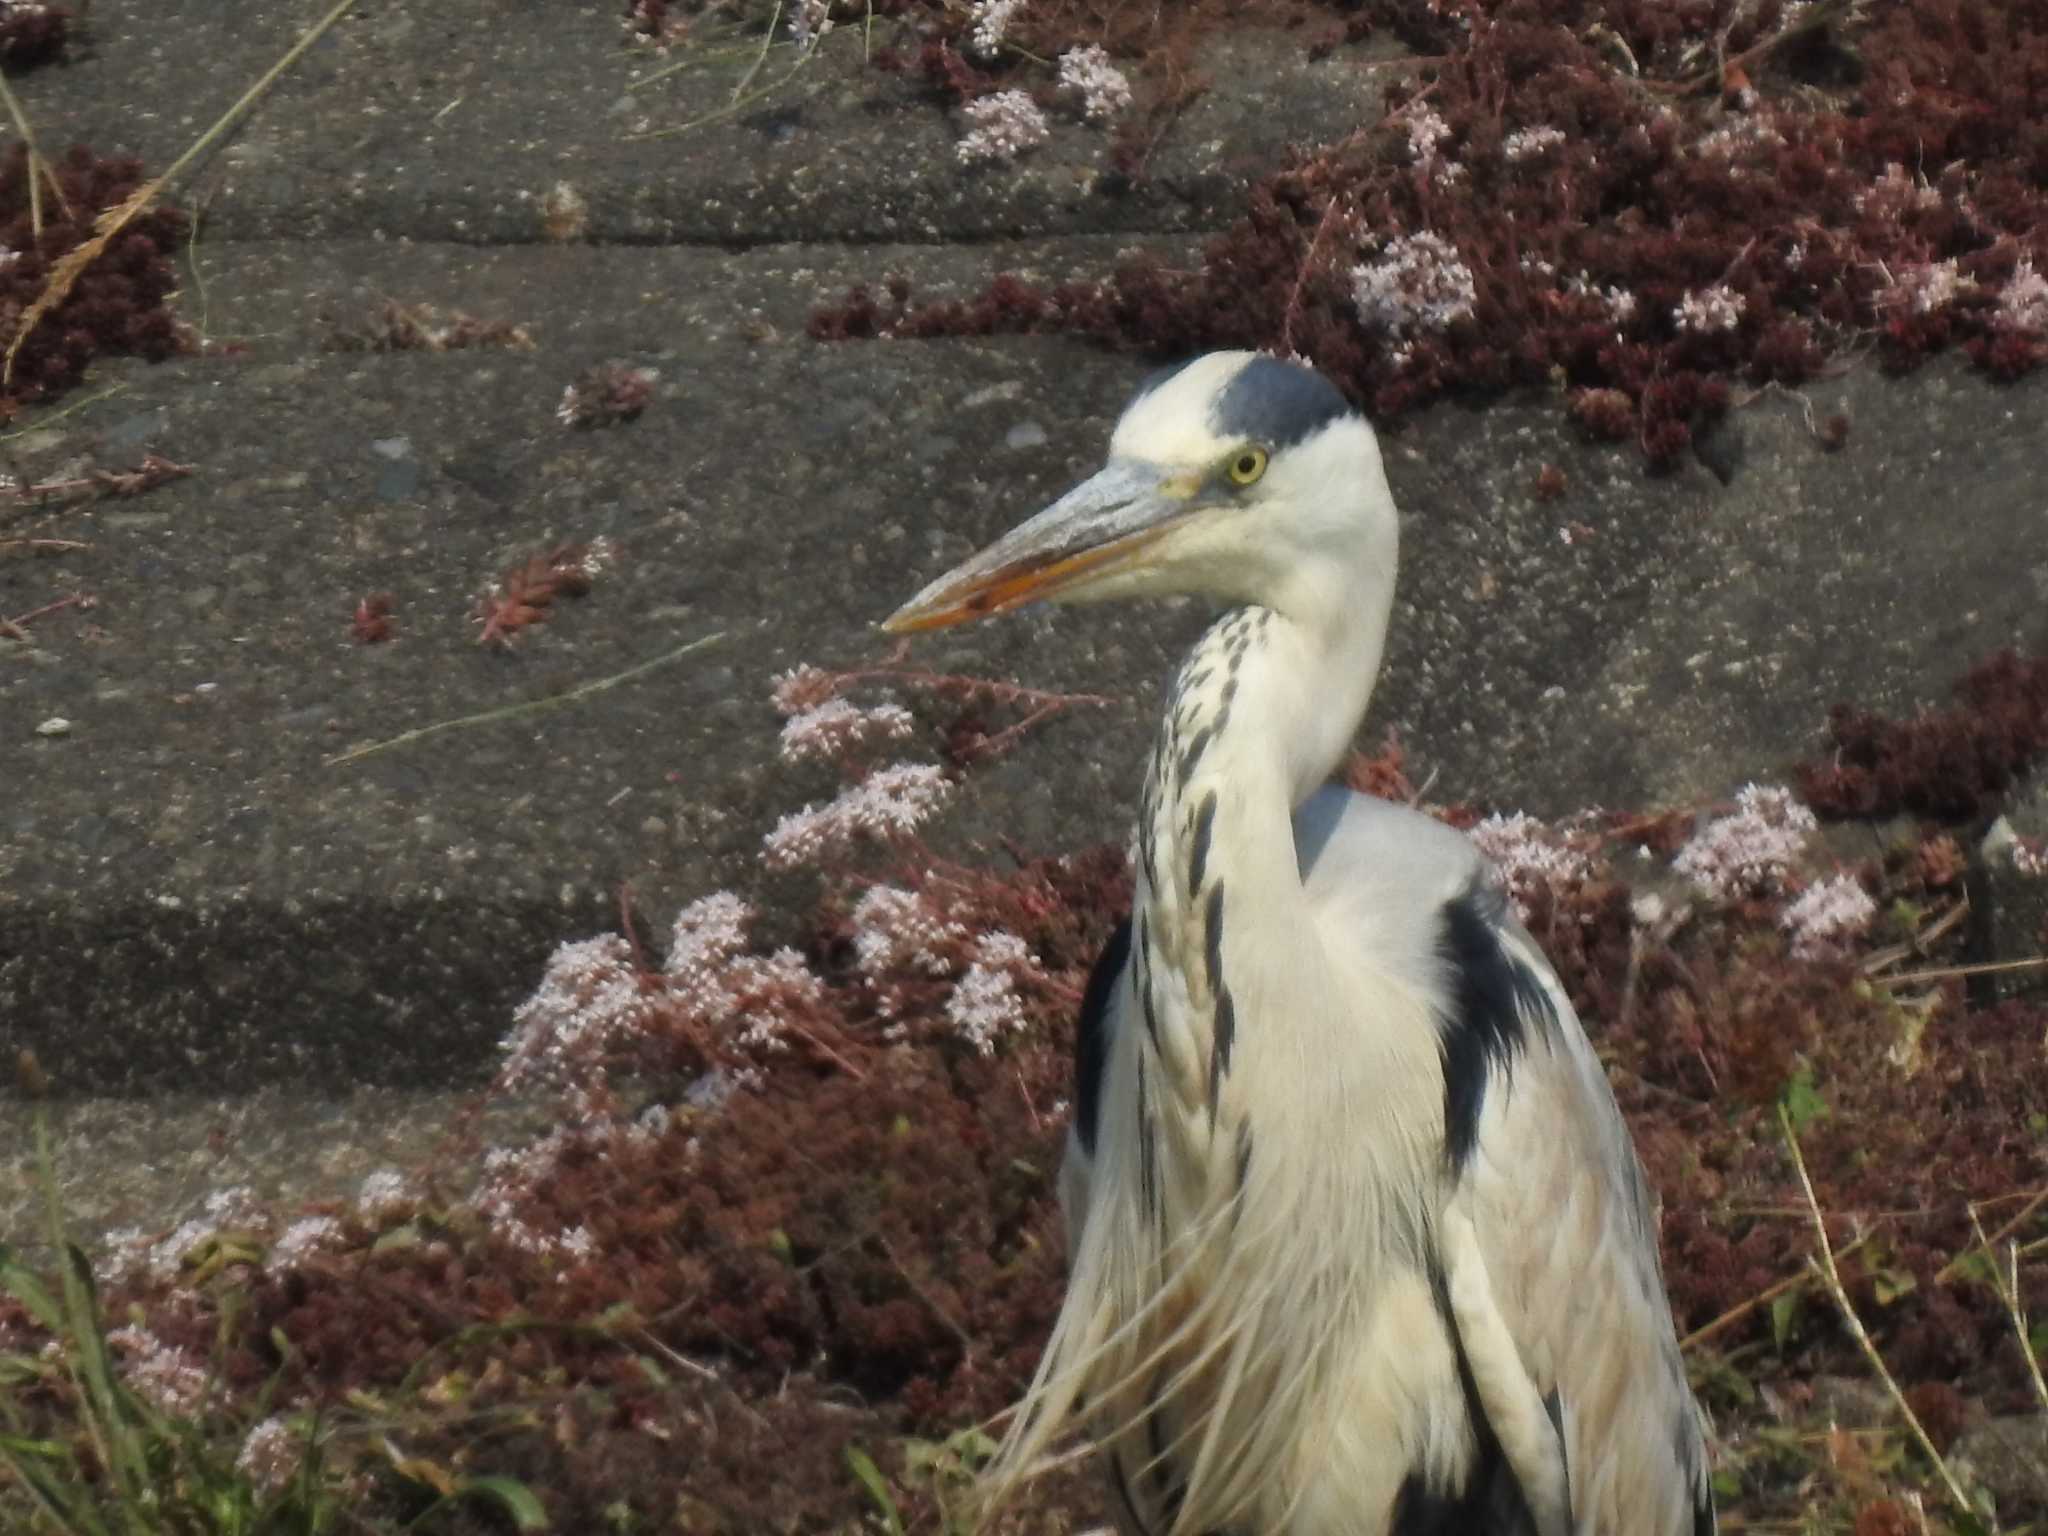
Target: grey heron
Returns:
[1358, 1240]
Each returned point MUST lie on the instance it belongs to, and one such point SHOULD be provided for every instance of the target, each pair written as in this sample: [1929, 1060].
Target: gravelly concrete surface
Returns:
[452, 120]
[195, 902]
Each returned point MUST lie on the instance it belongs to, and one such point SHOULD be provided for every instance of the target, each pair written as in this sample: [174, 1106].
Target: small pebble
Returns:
[56, 725]
[399, 480]
[1026, 434]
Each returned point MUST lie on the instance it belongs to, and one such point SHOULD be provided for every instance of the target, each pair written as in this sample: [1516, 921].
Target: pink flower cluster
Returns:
[1828, 916]
[1530, 855]
[595, 1007]
[1001, 127]
[1417, 283]
[171, 1380]
[829, 730]
[992, 20]
[1922, 288]
[270, 1454]
[1426, 133]
[1708, 310]
[985, 1003]
[889, 803]
[1747, 852]
[895, 930]
[2024, 303]
[1104, 89]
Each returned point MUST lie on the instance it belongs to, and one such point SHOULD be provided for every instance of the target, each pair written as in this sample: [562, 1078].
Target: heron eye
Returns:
[1246, 466]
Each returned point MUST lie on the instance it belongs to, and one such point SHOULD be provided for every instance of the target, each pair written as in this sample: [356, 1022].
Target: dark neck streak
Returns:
[1212, 788]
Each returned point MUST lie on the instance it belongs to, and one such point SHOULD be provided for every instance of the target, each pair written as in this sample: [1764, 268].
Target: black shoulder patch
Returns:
[1492, 997]
[1275, 403]
[1091, 1039]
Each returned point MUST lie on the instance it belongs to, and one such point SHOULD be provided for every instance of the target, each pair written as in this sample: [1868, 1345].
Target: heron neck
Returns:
[1270, 705]
[1262, 710]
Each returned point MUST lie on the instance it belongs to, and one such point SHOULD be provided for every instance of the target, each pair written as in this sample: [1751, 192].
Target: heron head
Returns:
[1236, 476]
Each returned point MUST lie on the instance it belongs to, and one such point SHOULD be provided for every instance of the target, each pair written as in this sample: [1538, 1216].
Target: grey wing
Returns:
[1548, 1237]
[1563, 1250]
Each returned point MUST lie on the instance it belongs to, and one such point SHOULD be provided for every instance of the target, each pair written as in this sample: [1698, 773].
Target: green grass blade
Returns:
[30, 1292]
[112, 1414]
[60, 1499]
[863, 1467]
[508, 1493]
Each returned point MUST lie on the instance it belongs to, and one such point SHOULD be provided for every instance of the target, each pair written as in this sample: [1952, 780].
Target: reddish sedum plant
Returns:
[32, 32]
[1952, 765]
[1560, 196]
[117, 305]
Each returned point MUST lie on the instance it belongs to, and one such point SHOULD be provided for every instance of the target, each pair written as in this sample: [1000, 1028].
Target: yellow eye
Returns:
[1246, 465]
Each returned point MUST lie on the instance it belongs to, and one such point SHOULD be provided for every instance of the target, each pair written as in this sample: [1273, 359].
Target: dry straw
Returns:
[65, 274]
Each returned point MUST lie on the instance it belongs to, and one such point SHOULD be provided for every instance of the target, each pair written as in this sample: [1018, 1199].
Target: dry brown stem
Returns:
[1824, 1268]
[16, 628]
[38, 168]
[44, 546]
[1919, 944]
[2034, 1202]
[2007, 1283]
[153, 471]
[1947, 972]
[1764, 1297]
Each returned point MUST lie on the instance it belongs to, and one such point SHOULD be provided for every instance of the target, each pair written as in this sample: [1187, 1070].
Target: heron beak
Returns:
[1102, 526]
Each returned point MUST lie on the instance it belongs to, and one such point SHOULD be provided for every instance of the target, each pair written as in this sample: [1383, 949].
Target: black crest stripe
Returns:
[1276, 403]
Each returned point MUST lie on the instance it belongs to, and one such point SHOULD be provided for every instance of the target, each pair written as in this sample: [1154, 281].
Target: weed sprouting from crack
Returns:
[606, 395]
[525, 595]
